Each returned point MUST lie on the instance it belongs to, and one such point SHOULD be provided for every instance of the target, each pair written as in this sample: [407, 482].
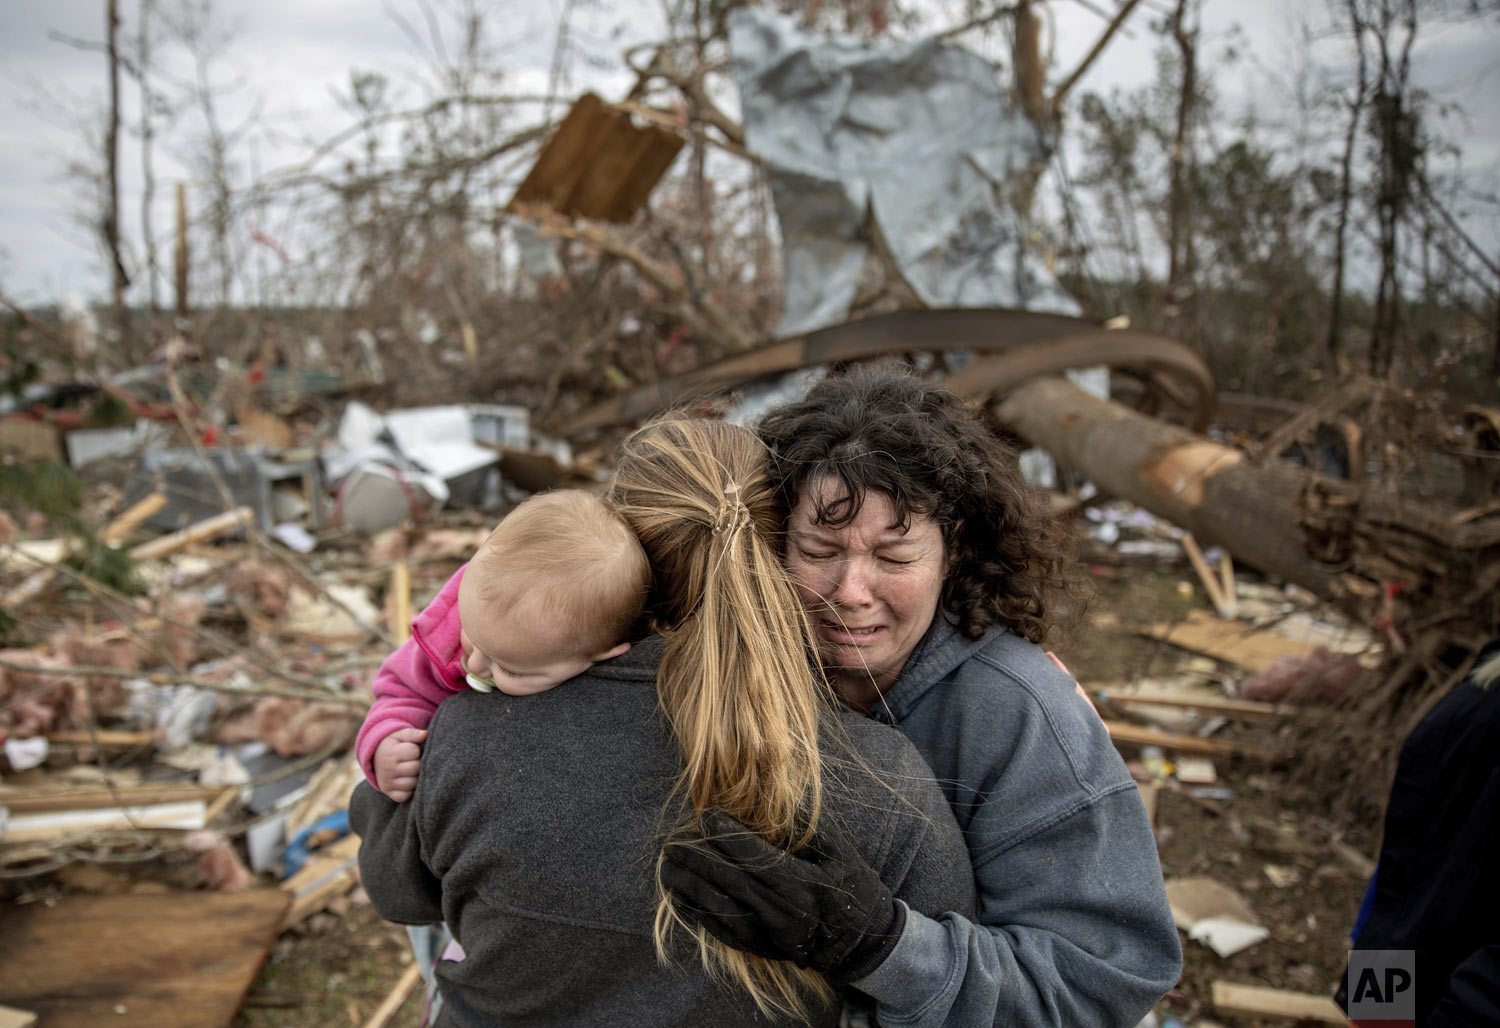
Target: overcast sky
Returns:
[285, 60]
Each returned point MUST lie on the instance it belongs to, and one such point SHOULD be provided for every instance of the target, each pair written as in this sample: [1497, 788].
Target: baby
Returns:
[555, 587]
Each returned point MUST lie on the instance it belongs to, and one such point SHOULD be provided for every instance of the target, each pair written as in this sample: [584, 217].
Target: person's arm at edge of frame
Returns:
[1022, 961]
[1472, 994]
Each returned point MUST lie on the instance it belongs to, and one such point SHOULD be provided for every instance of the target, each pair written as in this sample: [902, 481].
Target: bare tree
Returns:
[1179, 202]
[1356, 105]
[120, 281]
[148, 101]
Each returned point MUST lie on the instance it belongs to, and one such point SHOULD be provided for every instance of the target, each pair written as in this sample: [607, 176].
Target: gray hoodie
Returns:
[1074, 927]
[534, 833]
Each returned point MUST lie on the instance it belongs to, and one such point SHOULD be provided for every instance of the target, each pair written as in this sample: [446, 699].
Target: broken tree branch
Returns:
[1068, 83]
[706, 316]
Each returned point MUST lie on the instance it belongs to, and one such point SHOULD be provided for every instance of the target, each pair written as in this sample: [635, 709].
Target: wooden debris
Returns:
[1253, 709]
[36, 800]
[392, 1002]
[328, 791]
[1229, 641]
[1260, 1001]
[42, 827]
[1220, 587]
[202, 531]
[328, 873]
[132, 518]
[1120, 732]
[173, 960]
[598, 164]
[398, 602]
[103, 738]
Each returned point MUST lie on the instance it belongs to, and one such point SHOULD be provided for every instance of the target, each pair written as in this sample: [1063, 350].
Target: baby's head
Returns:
[556, 587]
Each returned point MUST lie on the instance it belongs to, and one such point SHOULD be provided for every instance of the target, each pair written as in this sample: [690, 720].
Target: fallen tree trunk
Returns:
[1409, 567]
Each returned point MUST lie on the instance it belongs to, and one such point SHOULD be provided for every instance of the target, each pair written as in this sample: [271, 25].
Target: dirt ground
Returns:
[1269, 843]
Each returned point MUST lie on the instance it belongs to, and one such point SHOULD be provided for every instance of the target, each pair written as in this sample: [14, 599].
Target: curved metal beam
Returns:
[1038, 343]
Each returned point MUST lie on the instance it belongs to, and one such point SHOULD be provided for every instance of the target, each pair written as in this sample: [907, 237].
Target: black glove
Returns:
[823, 908]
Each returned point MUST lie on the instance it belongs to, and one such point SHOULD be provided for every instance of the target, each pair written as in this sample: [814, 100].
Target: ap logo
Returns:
[1382, 986]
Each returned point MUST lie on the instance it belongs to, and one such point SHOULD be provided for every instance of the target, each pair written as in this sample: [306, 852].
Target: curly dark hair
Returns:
[919, 444]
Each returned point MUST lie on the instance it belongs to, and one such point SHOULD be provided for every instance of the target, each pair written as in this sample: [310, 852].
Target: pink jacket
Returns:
[426, 670]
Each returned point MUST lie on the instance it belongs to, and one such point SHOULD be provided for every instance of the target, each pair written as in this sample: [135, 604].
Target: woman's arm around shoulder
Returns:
[1073, 925]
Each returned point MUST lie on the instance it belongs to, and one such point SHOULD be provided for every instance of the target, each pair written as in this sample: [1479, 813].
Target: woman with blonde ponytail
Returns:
[539, 823]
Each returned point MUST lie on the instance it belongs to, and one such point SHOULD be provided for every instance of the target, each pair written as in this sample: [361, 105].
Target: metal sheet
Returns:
[919, 136]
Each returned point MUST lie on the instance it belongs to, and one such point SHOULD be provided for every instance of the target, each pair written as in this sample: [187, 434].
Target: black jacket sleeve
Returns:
[400, 886]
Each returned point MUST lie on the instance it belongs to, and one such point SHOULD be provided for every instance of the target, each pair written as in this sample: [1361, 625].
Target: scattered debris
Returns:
[1214, 914]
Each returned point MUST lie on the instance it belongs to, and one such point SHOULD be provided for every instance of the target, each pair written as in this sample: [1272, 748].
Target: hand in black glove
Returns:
[823, 908]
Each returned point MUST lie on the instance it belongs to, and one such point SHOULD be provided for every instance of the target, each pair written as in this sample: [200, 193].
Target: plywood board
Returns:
[180, 960]
[598, 164]
[1231, 641]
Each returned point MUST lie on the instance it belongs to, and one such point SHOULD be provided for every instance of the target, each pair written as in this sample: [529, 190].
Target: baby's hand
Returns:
[397, 760]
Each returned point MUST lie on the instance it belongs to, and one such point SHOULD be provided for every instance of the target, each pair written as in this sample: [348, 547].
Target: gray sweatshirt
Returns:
[534, 833]
[1074, 928]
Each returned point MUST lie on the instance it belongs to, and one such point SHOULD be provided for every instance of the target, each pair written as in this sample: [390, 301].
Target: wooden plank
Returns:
[598, 164]
[392, 1003]
[327, 873]
[37, 800]
[1119, 731]
[1217, 704]
[199, 532]
[1260, 1001]
[1208, 578]
[178, 960]
[104, 738]
[43, 827]
[130, 521]
[399, 601]
[1232, 641]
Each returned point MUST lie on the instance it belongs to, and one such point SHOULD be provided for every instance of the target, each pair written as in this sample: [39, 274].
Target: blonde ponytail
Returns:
[738, 681]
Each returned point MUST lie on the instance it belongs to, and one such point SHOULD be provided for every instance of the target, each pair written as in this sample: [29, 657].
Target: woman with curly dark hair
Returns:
[931, 575]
